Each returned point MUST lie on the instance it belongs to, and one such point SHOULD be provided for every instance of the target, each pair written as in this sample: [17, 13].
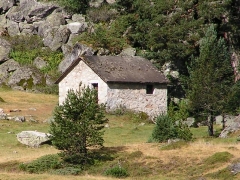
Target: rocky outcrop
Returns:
[231, 128]
[57, 29]
[77, 51]
[5, 48]
[25, 78]
[33, 138]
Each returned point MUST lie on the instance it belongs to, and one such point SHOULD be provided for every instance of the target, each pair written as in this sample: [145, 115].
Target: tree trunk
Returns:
[210, 125]
[223, 123]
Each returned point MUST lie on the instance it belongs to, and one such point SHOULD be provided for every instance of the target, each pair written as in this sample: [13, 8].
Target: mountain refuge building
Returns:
[131, 82]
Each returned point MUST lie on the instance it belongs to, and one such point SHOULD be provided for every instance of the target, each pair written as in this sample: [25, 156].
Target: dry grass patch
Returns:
[39, 106]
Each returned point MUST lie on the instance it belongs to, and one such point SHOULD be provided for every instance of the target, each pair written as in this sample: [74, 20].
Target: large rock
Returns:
[78, 50]
[33, 138]
[25, 78]
[5, 5]
[26, 28]
[54, 38]
[39, 63]
[13, 28]
[5, 49]
[96, 3]
[6, 69]
[233, 127]
[77, 27]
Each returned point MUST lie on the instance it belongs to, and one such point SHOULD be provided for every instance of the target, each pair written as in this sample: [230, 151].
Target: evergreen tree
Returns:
[211, 77]
[78, 125]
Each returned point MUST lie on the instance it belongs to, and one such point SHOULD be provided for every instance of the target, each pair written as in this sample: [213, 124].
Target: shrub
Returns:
[117, 172]
[166, 128]
[67, 171]
[102, 14]
[75, 6]
[43, 164]
[78, 125]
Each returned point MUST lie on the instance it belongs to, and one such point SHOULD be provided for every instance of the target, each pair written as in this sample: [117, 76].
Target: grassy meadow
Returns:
[125, 143]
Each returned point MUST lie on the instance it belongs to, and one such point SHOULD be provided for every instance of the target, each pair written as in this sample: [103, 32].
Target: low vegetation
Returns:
[126, 153]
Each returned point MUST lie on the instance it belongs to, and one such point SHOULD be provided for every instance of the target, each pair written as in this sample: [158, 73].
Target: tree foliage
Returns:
[166, 128]
[75, 6]
[78, 125]
[211, 77]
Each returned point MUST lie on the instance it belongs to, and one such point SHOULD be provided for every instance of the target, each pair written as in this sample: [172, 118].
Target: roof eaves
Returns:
[65, 73]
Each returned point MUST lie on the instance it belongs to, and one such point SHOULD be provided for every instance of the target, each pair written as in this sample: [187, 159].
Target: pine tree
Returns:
[78, 125]
[211, 77]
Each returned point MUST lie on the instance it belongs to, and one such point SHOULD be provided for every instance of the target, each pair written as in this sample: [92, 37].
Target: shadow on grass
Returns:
[107, 153]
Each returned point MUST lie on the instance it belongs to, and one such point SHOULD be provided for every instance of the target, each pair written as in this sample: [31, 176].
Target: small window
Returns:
[149, 89]
[95, 86]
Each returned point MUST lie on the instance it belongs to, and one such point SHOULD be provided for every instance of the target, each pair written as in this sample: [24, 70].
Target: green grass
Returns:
[123, 131]
[125, 145]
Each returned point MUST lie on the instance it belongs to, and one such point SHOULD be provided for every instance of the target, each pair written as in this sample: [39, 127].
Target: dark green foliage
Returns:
[101, 14]
[43, 164]
[75, 6]
[211, 78]
[233, 104]
[166, 128]
[178, 111]
[117, 172]
[78, 125]
[67, 171]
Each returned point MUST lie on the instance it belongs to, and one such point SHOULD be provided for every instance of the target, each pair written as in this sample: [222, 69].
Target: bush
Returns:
[75, 6]
[117, 172]
[166, 128]
[78, 125]
[42, 164]
[102, 14]
[67, 171]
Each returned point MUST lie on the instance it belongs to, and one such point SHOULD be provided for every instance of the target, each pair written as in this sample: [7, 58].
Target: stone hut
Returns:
[121, 81]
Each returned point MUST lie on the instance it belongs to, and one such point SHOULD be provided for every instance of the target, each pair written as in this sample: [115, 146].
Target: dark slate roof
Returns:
[121, 69]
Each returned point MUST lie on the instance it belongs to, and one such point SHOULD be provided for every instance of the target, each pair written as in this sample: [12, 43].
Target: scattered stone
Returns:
[235, 168]
[128, 52]
[141, 124]
[20, 119]
[189, 121]
[106, 126]
[15, 110]
[170, 141]
[33, 120]
[33, 138]
[32, 109]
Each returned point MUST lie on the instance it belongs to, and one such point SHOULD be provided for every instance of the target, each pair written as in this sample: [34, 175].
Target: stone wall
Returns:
[134, 97]
[82, 73]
